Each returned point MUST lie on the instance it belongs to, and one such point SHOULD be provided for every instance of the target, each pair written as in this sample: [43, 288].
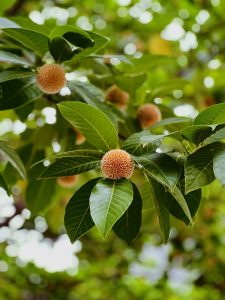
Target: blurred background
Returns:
[185, 39]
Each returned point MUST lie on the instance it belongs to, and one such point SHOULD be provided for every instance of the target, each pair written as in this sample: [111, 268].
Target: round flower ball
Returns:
[117, 96]
[148, 114]
[117, 164]
[51, 78]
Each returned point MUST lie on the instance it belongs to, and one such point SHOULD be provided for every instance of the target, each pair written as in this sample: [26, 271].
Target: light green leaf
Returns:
[130, 83]
[108, 202]
[8, 57]
[218, 165]
[215, 114]
[217, 135]
[92, 123]
[77, 218]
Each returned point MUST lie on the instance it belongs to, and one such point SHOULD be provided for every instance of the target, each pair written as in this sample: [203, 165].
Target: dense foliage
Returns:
[142, 77]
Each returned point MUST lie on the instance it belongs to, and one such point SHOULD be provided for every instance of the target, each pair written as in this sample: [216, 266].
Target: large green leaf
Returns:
[128, 226]
[9, 57]
[31, 39]
[72, 163]
[77, 218]
[6, 4]
[11, 156]
[199, 167]
[157, 191]
[161, 167]
[17, 92]
[92, 123]
[15, 74]
[40, 195]
[218, 165]
[196, 133]
[172, 124]
[215, 114]
[108, 202]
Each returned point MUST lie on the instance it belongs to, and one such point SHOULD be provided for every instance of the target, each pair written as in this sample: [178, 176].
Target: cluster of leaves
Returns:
[176, 157]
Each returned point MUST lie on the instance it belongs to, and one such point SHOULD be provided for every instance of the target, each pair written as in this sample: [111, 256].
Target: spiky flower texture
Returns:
[117, 96]
[51, 78]
[148, 114]
[117, 164]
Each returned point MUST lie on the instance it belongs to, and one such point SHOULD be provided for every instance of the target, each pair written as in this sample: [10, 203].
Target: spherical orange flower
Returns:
[67, 181]
[51, 78]
[117, 96]
[117, 164]
[148, 114]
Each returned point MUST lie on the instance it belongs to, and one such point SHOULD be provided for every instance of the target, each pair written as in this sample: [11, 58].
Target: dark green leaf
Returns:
[161, 167]
[128, 226]
[199, 167]
[77, 218]
[196, 133]
[157, 191]
[18, 92]
[60, 49]
[72, 163]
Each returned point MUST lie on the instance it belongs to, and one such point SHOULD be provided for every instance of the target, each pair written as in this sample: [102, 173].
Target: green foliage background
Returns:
[173, 74]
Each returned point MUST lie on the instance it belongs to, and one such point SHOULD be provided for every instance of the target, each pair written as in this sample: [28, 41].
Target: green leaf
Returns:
[60, 49]
[17, 92]
[161, 167]
[15, 74]
[8, 57]
[11, 156]
[217, 135]
[196, 133]
[199, 167]
[157, 190]
[134, 145]
[218, 165]
[77, 218]
[31, 39]
[215, 114]
[130, 83]
[192, 199]
[108, 202]
[128, 226]
[99, 42]
[152, 139]
[92, 123]
[40, 195]
[178, 196]
[73, 162]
